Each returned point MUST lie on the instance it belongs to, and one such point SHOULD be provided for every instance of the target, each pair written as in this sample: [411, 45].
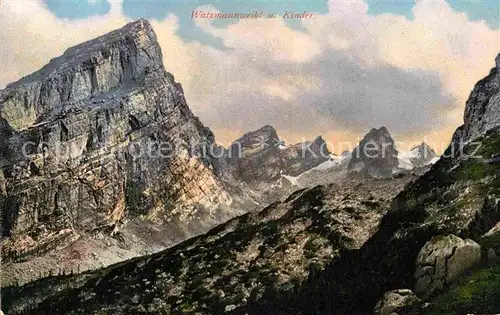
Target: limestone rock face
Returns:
[101, 134]
[375, 156]
[482, 111]
[442, 260]
[393, 302]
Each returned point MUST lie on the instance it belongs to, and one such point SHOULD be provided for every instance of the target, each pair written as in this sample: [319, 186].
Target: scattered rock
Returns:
[230, 308]
[395, 301]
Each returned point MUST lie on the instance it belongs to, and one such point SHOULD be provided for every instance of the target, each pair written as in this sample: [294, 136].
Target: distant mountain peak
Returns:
[375, 155]
[261, 156]
[419, 156]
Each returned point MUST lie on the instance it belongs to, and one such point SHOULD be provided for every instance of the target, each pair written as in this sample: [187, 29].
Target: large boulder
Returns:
[395, 302]
[490, 242]
[442, 260]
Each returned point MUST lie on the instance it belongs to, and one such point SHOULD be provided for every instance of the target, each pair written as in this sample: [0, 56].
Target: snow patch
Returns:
[404, 161]
[333, 161]
[405, 157]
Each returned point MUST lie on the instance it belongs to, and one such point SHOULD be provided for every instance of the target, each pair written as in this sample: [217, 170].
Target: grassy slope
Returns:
[476, 293]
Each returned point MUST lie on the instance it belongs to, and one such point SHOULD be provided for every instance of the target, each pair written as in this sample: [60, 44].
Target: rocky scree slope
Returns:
[258, 263]
[100, 136]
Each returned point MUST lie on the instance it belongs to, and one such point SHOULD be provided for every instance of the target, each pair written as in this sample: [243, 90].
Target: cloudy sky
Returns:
[408, 65]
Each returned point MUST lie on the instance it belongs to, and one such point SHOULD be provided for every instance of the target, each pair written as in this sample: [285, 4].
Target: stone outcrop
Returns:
[101, 135]
[396, 302]
[375, 156]
[442, 260]
[490, 243]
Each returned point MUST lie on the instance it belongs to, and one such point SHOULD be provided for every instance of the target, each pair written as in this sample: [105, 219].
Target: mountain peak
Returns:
[105, 67]
[268, 128]
[422, 145]
[138, 35]
[266, 135]
[482, 110]
[422, 155]
[381, 130]
[94, 119]
[319, 139]
[376, 154]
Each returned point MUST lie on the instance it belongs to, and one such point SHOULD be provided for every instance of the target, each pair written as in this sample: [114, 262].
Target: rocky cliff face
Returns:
[376, 155]
[256, 156]
[482, 111]
[302, 157]
[101, 135]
